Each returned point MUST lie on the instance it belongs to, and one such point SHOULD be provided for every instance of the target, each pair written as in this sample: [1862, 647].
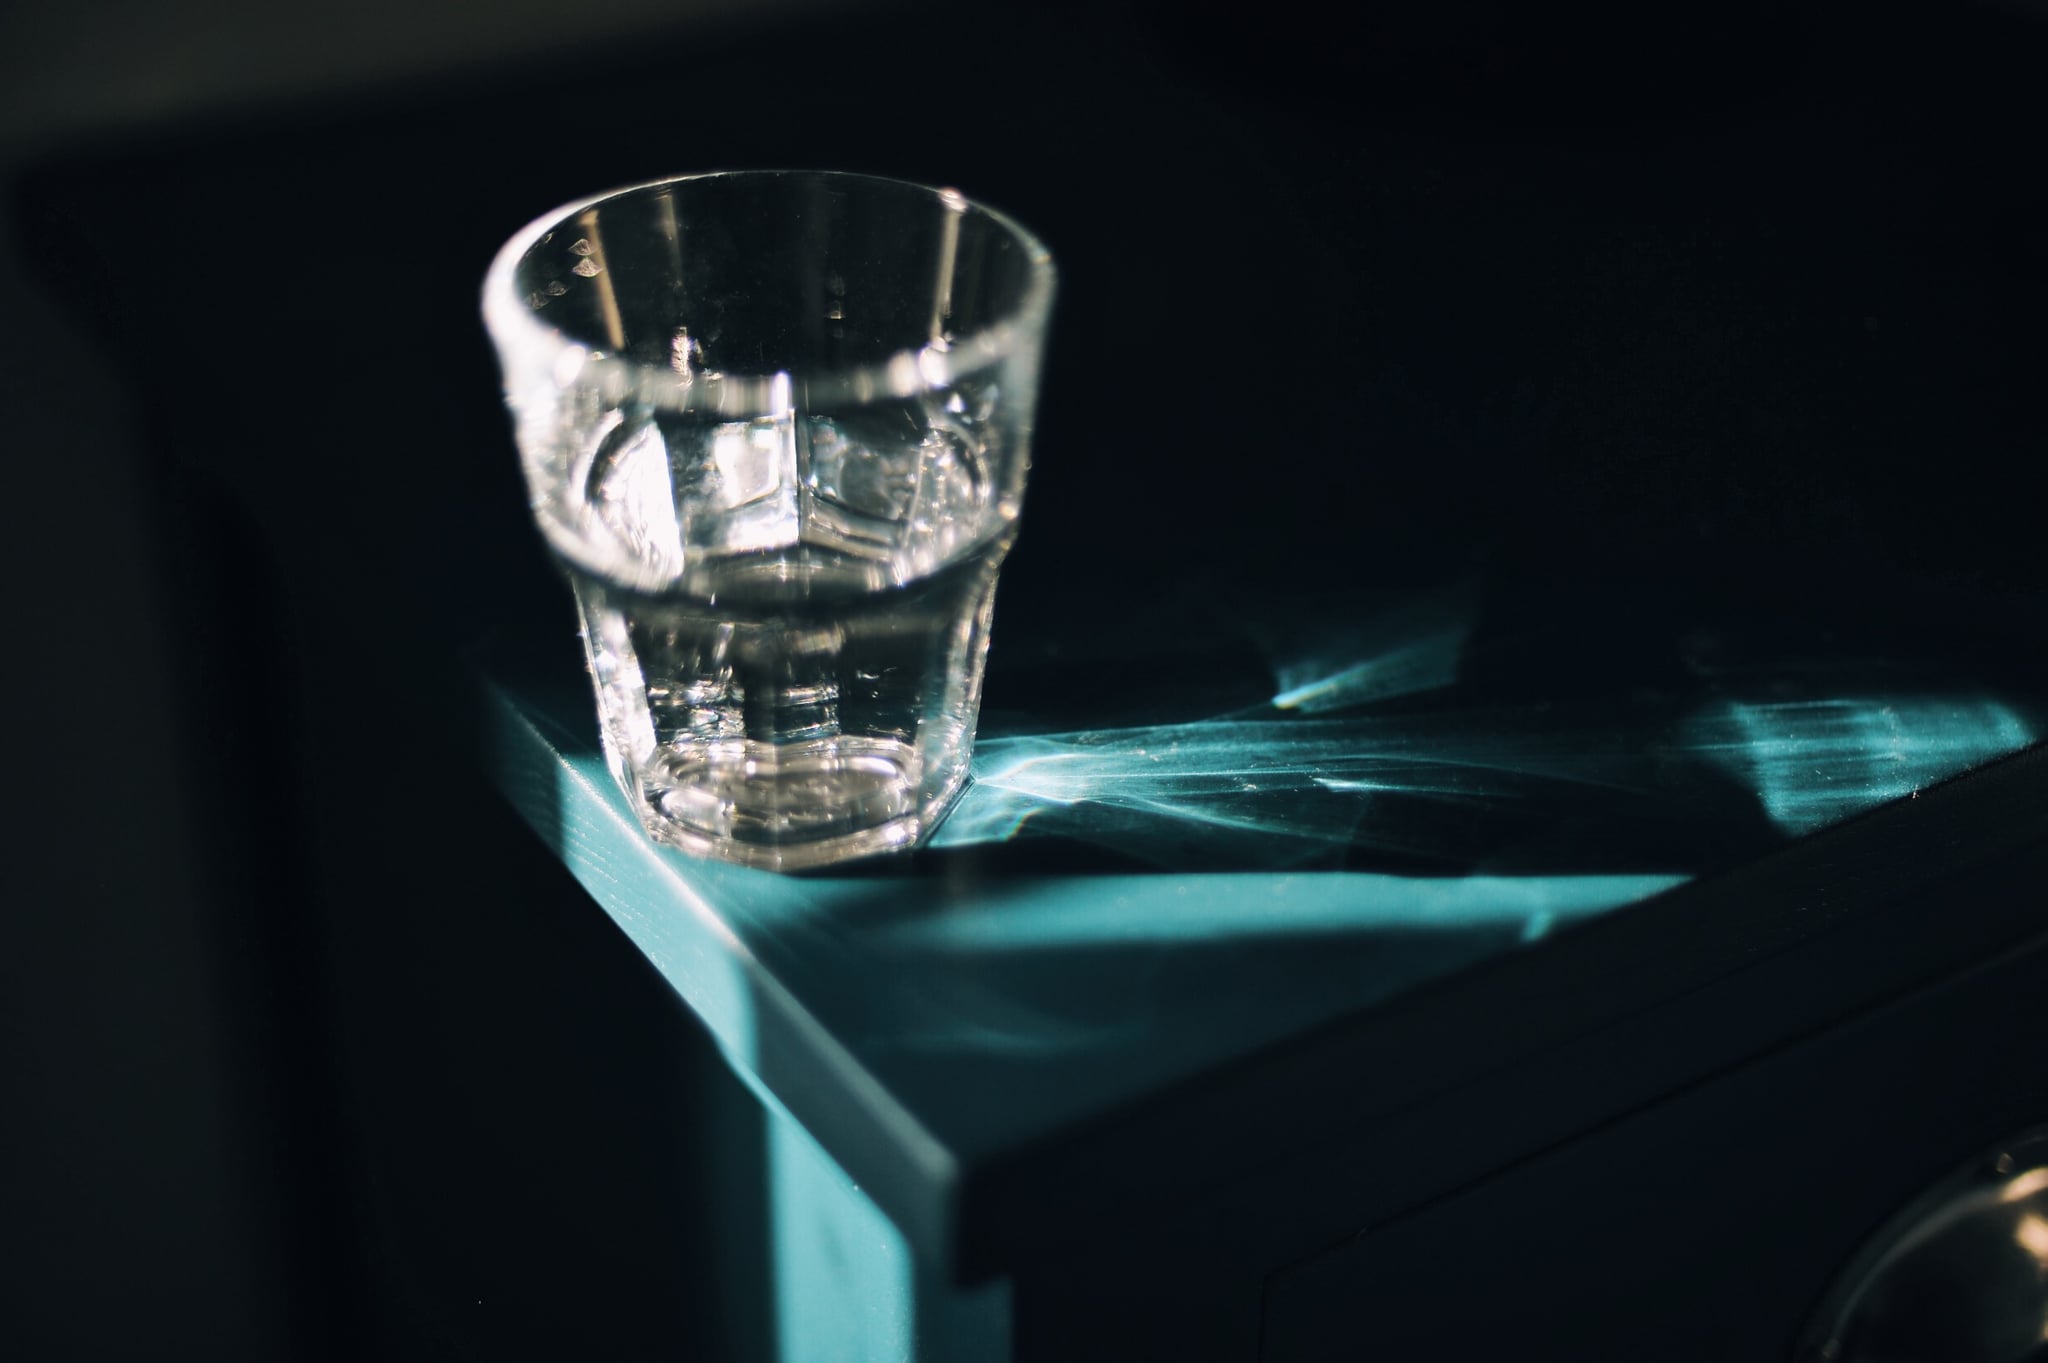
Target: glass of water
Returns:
[776, 427]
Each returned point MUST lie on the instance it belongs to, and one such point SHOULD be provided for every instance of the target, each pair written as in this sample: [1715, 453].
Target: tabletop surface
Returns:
[1216, 829]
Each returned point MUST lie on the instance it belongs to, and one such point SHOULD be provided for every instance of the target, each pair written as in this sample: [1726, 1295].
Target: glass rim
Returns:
[514, 325]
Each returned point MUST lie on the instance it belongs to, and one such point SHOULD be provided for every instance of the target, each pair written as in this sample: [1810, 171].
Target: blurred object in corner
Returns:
[72, 68]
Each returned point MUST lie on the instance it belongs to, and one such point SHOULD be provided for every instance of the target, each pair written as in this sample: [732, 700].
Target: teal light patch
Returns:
[1055, 914]
[847, 1287]
[1424, 665]
[1278, 787]
[843, 1278]
[1815, 762]
[1408, 648]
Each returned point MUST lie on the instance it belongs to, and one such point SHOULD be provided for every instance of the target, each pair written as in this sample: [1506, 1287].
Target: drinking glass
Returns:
[776, 427]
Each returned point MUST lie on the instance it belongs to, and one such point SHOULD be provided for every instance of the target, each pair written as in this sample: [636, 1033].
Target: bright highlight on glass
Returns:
[776, 427]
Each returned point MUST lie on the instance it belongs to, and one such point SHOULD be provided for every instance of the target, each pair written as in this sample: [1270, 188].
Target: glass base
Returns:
[793, 807]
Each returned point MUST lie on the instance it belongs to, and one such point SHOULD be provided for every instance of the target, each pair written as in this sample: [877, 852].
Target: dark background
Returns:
[310, 1051]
